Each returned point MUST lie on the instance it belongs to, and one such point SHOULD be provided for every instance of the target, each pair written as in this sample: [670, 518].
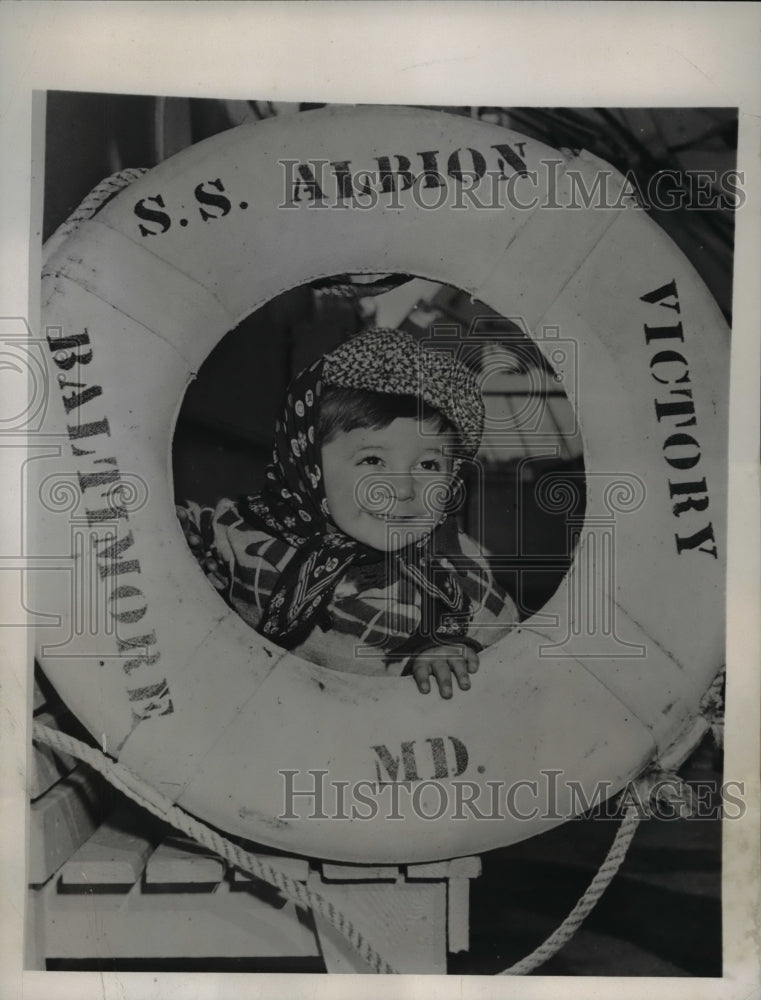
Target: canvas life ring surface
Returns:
[174, 684]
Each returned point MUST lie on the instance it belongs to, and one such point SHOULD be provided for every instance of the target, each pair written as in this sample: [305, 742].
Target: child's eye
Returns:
[369, 460]
[431, 465]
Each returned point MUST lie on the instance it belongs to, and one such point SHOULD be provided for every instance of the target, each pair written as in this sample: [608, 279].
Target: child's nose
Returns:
[404, 486]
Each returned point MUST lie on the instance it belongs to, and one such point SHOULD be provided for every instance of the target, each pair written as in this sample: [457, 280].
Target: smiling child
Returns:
[351, 555]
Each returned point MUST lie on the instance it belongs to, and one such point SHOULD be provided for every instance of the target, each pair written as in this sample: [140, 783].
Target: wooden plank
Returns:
[360, 873]
[115, 855]
[406, 922]
[172, 925]
[47, 766]
[468, 867]
[295, 868]
[34, 931]
[63, 819]
[458, 914]
[180, 861]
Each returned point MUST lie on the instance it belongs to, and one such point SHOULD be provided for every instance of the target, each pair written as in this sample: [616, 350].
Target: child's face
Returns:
[385, 487]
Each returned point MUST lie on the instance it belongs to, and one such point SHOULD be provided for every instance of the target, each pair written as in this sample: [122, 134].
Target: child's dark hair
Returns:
[343, 410]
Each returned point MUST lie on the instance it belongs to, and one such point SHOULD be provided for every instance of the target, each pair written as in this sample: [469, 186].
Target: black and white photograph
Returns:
[376, 558]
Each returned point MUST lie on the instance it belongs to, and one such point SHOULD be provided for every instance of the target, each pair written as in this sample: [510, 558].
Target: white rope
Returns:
[142, 793]
[586, 904]
[131, 785]
[146, 796]
[99, 195]
[354, 287]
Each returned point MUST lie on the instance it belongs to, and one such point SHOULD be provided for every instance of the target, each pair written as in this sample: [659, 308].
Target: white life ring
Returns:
[168, 679]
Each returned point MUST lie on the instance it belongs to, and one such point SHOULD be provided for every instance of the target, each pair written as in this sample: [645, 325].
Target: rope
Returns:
[712, 707]
[94, 201]
[656, 784]
[149, 798]
[345, 286]
[563, 934]
[146, 796]
[353, 287]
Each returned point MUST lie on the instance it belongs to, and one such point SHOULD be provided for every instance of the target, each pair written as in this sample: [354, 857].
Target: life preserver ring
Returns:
[169, 680]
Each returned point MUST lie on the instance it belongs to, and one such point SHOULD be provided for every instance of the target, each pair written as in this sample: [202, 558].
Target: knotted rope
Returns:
[146, 796]
[95, 200]
[357, 286]
[139, 791]
[563, 934]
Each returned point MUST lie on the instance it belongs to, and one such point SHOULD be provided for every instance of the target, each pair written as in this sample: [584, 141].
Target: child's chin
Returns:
[391, 539]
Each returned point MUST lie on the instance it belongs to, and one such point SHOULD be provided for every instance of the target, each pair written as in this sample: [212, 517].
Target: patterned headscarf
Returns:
[292, 505]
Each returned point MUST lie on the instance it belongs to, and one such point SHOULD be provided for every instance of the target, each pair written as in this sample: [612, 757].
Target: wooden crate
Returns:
[111, 885]
[124, 895]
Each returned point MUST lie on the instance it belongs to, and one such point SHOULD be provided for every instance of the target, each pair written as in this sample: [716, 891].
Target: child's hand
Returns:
[442, 662]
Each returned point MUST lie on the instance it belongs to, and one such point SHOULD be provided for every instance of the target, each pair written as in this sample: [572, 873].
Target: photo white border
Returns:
[510, 54]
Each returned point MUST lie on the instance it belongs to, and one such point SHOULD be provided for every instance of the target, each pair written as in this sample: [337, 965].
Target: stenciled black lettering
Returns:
[511, 158]
[388, 175]
[681, 451]
[111, 556]
[679, 408]
[64, 351]
[127, 616]
[390, 763]
[460, 756]
[669, 358]
[343, 179]
[439, 754]
[75, 349]
[106, 514]
[697, 541]
[431, 175]
[664, 333]
[138, 642]
[78, 432]
[454, 165]
[156, 698]
[77, 399]
[307, 181]
[696, 494]
[667, 291]
[219, 201]
[161, 219]
[682, 461]
[88, 480]
[409, 762]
